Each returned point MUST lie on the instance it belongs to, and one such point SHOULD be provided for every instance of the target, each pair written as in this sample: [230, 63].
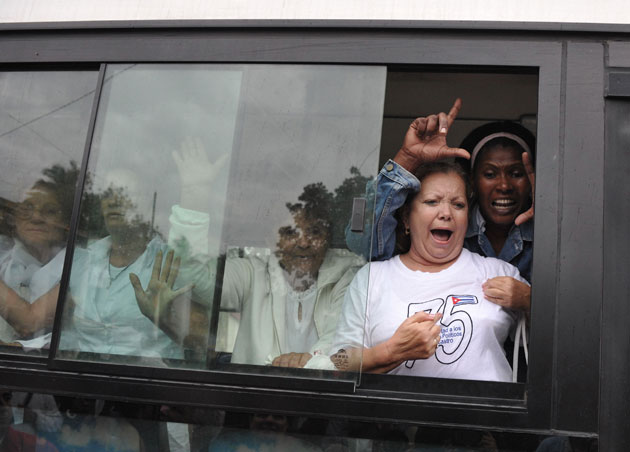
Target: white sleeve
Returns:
[333, 313]
[236, 284]
[189, 229]
[188, 237]
[47, 277]
[349, 333]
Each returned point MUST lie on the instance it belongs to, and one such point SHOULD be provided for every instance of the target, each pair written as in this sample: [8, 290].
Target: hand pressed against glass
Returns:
[436, 220]
[155, 301]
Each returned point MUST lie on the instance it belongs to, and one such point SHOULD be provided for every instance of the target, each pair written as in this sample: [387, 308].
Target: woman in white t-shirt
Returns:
[425, 313]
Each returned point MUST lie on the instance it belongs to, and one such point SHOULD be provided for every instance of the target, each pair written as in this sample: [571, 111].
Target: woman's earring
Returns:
[406, 230]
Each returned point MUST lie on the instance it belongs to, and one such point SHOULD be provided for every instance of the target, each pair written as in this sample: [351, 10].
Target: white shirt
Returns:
[473, 328]
[28, 278]
[301, 330]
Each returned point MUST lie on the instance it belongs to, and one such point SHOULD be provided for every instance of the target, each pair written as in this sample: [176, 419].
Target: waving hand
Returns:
[196, 173]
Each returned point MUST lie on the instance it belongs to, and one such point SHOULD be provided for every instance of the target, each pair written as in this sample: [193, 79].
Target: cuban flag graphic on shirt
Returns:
[464, 299]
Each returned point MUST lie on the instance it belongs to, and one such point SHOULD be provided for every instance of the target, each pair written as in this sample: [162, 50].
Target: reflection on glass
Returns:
[31, 421]
[251, 164]
[266, 432]
[289, 299]
[309, 141]
[43, 124]
[125, 297]
[142, 281]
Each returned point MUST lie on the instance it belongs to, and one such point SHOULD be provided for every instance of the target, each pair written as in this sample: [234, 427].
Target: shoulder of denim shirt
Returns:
[400, 175]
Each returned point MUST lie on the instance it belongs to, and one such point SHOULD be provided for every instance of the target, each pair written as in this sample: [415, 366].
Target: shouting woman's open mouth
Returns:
[441, 235]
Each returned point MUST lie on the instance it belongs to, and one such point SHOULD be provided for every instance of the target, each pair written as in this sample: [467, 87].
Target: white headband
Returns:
[511, 136]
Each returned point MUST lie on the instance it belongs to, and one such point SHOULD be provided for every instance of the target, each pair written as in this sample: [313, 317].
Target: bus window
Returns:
[43, 125]
[216, 207]
[218, 231]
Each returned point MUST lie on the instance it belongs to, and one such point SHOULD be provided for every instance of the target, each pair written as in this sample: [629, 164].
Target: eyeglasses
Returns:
[25, 211]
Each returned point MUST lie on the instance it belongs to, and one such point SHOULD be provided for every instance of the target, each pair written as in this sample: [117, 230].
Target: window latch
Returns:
[358, 214]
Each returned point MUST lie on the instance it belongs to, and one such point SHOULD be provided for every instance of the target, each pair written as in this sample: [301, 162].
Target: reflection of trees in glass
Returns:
[92, 219]
[337, 208]
[65, 180]
[134, 221]
[334, 207]
[316, 200]
[62, 181]
[91, 223]
[6, 216]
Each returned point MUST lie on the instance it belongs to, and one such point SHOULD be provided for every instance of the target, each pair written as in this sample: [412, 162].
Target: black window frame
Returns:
[529, 406]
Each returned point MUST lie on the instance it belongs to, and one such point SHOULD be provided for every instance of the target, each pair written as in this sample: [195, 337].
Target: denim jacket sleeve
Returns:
[384, 196]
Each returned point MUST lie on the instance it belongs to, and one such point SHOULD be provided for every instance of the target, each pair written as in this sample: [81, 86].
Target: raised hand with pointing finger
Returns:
[425, 140]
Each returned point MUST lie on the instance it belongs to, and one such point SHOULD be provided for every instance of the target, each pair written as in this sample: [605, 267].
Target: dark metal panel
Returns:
[270, 377]
[615, 350]
[618, 84]
[546, 243]
[581, 272]
[619, 54]
[327, 23]
[271, 46]
[367, 405]
[74, 222]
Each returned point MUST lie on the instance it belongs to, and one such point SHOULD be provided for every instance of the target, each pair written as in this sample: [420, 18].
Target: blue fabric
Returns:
[385, 195]
[517, 249]
[388, 193]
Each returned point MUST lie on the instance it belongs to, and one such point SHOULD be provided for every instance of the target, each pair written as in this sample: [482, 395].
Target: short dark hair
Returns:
[445, 167]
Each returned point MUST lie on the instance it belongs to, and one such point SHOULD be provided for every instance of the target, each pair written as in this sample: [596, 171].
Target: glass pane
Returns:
[247, 173]
[43, 125]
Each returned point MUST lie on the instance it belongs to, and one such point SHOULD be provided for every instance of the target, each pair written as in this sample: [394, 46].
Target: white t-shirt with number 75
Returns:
[384, 294]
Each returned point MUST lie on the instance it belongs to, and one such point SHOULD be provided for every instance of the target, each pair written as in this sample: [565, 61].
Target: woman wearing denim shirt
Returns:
[500, 224]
